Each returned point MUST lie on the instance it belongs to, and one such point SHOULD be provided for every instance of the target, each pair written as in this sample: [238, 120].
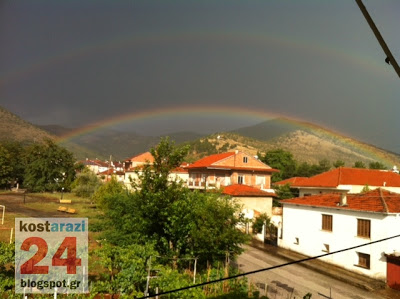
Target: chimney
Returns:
[343, 199]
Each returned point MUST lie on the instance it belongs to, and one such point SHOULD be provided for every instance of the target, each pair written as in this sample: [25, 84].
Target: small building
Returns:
[331, 222]
[254, 202]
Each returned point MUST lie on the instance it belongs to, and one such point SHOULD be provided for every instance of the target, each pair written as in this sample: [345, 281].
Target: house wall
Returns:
[183, 177]
[237, 161]
[351, 188]
[305, 223]
[260, 204]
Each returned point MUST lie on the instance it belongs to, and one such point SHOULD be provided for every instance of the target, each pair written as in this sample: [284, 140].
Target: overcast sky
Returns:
[77, 62]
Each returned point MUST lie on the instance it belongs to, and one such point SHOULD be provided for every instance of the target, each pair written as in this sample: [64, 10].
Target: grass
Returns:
[47, 204]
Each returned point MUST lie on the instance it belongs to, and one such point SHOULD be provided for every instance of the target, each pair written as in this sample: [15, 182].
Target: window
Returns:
[244, 159]
[364, 228]
[240, 179]
[327, 222]
[260, 180]
[363, 260]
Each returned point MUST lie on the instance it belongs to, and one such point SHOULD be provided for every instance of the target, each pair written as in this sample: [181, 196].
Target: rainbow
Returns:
[373, 65]
[257, 115]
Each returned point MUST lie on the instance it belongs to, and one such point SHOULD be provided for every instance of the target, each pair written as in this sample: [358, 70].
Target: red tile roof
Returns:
[378, 200]
[292, 181]
[111, 172]
[244, 190]
[144, 157]
[351, 176]
[209, 160]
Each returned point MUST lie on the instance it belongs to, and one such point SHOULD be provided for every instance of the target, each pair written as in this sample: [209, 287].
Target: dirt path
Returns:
[15, 204]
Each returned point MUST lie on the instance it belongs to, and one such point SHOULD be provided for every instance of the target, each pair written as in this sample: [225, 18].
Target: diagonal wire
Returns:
[269, 268]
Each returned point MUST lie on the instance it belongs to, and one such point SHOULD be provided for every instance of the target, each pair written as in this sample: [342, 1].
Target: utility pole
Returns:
[389, 57]
[148, 278]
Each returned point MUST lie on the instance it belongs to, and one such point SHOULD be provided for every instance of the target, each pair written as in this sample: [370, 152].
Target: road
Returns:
[294, 281]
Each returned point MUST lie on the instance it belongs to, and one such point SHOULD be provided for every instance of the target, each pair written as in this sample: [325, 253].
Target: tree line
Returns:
[37, 167]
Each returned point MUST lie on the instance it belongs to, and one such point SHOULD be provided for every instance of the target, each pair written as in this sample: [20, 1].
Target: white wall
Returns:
[305, 224]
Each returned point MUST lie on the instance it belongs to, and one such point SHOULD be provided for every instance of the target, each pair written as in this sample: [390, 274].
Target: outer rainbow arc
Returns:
[236, 37]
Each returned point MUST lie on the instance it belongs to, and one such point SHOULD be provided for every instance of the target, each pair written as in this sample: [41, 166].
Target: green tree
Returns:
[376, 165]
[359, 164]
[125, 268]
[282, 160]
[323, 166]
[6, 168]
[15, 159]
[49, 167]
[86, 183]
[6, 268]
[338, 163]
[285, 192]
[179, 222]
[365, 189]
[304, 170]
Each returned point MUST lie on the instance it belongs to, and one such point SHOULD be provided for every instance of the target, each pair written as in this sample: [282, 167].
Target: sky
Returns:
[165, 66]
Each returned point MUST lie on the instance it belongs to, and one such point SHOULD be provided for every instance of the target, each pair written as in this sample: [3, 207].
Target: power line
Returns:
[389, 57]
[269, 268]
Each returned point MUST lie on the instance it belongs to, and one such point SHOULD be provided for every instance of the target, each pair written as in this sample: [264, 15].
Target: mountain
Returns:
[14, 128]
[307, 142]
[120, 145]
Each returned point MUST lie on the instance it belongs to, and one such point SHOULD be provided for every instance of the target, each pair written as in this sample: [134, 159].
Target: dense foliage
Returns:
[86, 183]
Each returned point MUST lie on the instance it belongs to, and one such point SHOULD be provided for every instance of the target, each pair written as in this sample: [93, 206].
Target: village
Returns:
[351, 215]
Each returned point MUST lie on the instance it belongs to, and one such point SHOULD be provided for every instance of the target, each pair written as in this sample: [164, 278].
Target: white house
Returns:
[324, 223]
[352, 180]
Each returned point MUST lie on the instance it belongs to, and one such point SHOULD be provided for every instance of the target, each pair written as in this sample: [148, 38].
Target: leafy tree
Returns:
[49, 167]
[110, 188]
[86, 184]
[365, 189]
[376, 165]
[5, 167]
[6, 268]
[179, 222]
[338, 163]
[285, 192]
[14, 152]
[282, 160]
[304, 170]
[125, 268]
[359, 164]
[323, 166]
[308, 170]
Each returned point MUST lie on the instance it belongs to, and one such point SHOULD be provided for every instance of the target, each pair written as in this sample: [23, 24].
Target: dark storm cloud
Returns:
[77, 62]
